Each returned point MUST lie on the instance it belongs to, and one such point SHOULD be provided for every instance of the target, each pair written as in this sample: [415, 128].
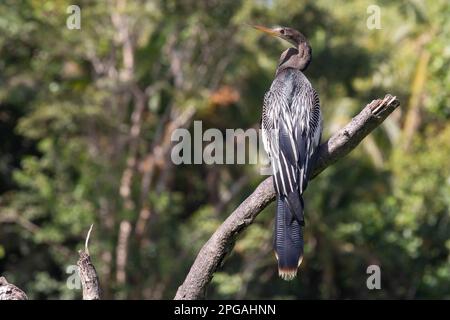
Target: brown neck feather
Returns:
[296, 58]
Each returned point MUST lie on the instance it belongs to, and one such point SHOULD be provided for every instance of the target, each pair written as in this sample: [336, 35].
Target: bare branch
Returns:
[86, 243]
[8, 291]
[88, 274]
[212, 254]
[122, 251]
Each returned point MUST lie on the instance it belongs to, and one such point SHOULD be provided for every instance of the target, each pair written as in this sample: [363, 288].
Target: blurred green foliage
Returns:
[85, 123]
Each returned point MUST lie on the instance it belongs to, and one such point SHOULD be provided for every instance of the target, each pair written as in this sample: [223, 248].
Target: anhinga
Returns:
[291, 131]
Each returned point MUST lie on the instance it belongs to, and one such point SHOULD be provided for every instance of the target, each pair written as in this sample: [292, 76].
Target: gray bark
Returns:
[88, 277]
[8, 291]
[88, 274]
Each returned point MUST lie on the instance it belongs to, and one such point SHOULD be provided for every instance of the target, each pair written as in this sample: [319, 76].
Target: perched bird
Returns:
[291, 132]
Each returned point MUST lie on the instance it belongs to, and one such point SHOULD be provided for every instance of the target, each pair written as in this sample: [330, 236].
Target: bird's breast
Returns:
[289, 83]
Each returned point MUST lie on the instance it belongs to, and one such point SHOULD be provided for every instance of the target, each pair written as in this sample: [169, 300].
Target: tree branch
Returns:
[88, 274]
[212, 254]
[8, 291]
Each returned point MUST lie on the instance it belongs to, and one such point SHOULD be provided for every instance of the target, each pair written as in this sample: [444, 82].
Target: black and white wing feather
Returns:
[292, 127]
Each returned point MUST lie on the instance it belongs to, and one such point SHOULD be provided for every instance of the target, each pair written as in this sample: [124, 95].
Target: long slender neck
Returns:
[296, 58]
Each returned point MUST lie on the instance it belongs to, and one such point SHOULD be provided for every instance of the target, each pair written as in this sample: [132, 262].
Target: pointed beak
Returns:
[271, 32]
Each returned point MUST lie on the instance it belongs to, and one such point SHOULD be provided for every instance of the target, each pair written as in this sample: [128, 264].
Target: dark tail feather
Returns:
[288, 237]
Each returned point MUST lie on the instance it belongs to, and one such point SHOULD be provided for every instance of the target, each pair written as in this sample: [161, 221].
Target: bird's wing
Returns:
[273, 103]
[308, 130]
[292, 131]
[267, 123]
[292, 128]
[311, 129]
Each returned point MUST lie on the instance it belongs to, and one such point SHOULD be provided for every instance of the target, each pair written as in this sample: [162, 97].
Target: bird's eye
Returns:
[282, 31]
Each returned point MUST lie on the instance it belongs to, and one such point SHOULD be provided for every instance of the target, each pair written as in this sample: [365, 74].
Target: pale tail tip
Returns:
[287, 274]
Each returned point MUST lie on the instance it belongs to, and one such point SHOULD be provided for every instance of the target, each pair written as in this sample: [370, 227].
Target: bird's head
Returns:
[298, 57]
[291, 35]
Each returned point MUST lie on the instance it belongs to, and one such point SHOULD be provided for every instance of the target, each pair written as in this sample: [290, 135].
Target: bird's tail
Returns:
[288, 236]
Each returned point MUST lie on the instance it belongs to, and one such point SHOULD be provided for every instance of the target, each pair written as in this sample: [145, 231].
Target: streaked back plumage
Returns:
[292, 127]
